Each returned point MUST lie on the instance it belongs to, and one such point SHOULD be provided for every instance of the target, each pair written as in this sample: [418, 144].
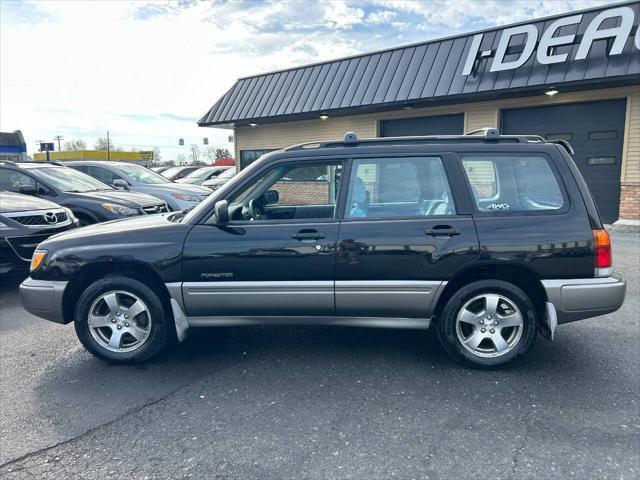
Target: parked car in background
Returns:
[215, 183]
[159, 169]
[90, 200]
[201, 175]
[25, 221]
[175, 173]
[136, 178]
[490, 238]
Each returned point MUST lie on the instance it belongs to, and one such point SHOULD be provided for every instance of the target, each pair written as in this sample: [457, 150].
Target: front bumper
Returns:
[43, 298]
[577, 299]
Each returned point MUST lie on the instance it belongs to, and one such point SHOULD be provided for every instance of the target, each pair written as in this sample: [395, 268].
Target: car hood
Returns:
[188, 181]
[120, 197]
[125, 228]
[179, 188]
[16, 202]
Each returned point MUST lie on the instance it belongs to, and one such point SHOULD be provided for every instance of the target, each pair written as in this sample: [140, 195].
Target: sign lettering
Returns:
[546, 47]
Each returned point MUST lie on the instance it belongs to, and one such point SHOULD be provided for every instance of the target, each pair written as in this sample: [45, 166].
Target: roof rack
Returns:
[483, 134]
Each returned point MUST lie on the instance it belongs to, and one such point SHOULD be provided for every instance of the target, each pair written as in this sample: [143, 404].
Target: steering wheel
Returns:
[256, 212]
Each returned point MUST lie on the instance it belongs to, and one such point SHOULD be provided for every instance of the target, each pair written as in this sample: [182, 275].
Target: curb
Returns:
[622, 225]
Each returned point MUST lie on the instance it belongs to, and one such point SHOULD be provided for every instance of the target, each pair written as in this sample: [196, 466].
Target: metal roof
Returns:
[421, 74]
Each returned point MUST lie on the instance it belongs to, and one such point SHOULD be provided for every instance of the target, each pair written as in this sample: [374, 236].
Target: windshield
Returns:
[142, 174]
[228, 173]
[69, 180]
[201, 172]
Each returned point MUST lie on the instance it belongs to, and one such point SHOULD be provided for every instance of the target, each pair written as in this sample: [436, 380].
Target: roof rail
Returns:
[488, 134]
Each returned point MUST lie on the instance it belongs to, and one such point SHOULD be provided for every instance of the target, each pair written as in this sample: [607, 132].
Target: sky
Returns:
[147, 71]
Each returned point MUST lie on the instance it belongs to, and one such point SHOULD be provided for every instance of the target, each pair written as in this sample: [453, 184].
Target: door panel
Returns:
[259, 269]
[398, 266]
[401, 237]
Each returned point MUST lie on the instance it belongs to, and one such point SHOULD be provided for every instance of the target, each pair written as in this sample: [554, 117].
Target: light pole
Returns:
[108, 147]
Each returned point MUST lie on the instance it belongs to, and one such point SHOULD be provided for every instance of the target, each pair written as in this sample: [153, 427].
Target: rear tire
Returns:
[121, 320]
[487, 324]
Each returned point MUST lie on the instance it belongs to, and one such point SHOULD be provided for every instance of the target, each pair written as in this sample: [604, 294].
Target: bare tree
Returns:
[101, 145]
[74, 145]
[156, 155]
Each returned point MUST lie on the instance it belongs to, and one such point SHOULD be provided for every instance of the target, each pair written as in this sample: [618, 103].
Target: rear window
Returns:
[513, 183]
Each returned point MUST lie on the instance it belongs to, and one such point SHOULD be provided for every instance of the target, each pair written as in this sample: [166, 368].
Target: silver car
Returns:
[129, 176]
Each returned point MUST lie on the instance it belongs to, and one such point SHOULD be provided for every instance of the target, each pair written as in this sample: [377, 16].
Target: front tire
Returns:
[121, 320]
[487, 324]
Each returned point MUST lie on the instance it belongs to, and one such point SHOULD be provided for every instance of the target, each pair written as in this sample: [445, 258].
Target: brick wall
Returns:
[630, 201]
[303, 193]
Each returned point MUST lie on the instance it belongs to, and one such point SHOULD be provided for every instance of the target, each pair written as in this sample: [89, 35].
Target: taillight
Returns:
[602, 253]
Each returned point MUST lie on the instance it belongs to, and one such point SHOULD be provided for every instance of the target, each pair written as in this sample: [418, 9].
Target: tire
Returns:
[130, 310]
[476, 334]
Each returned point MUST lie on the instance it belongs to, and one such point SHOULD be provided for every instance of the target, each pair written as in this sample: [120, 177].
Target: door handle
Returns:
[303, 235]
[442, 231]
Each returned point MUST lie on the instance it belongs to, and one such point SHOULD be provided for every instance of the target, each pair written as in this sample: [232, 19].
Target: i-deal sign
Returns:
[549, 41]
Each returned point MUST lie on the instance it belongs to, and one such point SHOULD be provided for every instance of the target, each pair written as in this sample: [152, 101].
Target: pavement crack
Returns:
[92, 430]
[518, 450]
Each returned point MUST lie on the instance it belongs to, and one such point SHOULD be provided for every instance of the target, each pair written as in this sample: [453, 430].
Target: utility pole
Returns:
[108, 147]
[58, 138]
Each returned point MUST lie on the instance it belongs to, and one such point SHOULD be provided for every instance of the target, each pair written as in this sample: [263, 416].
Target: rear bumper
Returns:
[43, 298]
[577, 299]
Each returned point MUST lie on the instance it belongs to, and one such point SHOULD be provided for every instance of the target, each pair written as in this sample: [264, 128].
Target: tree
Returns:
[222, 154]
[181, 159]
[74, 146]
[168, 163]
[101, 146]
[156, 155]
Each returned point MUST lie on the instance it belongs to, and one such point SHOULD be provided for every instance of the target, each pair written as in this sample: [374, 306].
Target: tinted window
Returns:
[513, 184]
[398, 187]
[142, 174]
[13, 181]
[103, 174]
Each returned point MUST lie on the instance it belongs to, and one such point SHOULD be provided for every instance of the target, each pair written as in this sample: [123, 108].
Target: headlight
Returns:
[70, 214]
[37, 258]
[191, 198]
[120, 209]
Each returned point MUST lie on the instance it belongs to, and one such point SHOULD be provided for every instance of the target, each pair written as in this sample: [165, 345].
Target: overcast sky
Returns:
[147, 71]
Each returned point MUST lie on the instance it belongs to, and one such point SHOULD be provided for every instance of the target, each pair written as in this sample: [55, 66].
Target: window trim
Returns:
[302, 221]
[449, 176]
[566, 207]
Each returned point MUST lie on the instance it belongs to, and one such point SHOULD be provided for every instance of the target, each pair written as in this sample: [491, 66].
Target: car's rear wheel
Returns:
[122, 320]
[487, 324]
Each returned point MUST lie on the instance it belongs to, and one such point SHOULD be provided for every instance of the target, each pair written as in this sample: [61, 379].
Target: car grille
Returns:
[33, 220]
[24, 246]
[160, 208]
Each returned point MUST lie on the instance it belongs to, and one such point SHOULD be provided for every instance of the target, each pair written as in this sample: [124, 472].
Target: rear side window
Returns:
[398, 187]
[513, 183]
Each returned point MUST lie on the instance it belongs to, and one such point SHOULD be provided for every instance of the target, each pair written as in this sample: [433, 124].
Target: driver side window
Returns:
[290, 192]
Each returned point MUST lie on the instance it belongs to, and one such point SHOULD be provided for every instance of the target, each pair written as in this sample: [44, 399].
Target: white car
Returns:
[129, 176]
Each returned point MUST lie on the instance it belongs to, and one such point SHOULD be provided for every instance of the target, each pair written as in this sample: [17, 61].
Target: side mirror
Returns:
[28, 190]
[271, 197]
[221, 211]
[120, 183]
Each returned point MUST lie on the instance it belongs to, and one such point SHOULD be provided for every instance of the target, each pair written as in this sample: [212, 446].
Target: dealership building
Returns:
[574, 77]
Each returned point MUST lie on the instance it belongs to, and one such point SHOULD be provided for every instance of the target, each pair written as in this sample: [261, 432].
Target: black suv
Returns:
[492, 239]
[26, 221]
[89, 199]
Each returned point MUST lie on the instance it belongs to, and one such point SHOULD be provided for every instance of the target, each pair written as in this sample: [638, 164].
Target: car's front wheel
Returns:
[487, 323]
[121, 320]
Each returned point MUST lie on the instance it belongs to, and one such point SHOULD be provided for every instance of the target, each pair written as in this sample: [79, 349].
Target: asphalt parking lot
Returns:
[282, 402]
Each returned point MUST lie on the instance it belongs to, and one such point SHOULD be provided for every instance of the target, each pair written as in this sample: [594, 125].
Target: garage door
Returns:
[594, 129]
[434, 125]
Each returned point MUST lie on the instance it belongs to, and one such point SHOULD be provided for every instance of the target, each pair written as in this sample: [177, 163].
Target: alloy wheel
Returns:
[489, 325]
